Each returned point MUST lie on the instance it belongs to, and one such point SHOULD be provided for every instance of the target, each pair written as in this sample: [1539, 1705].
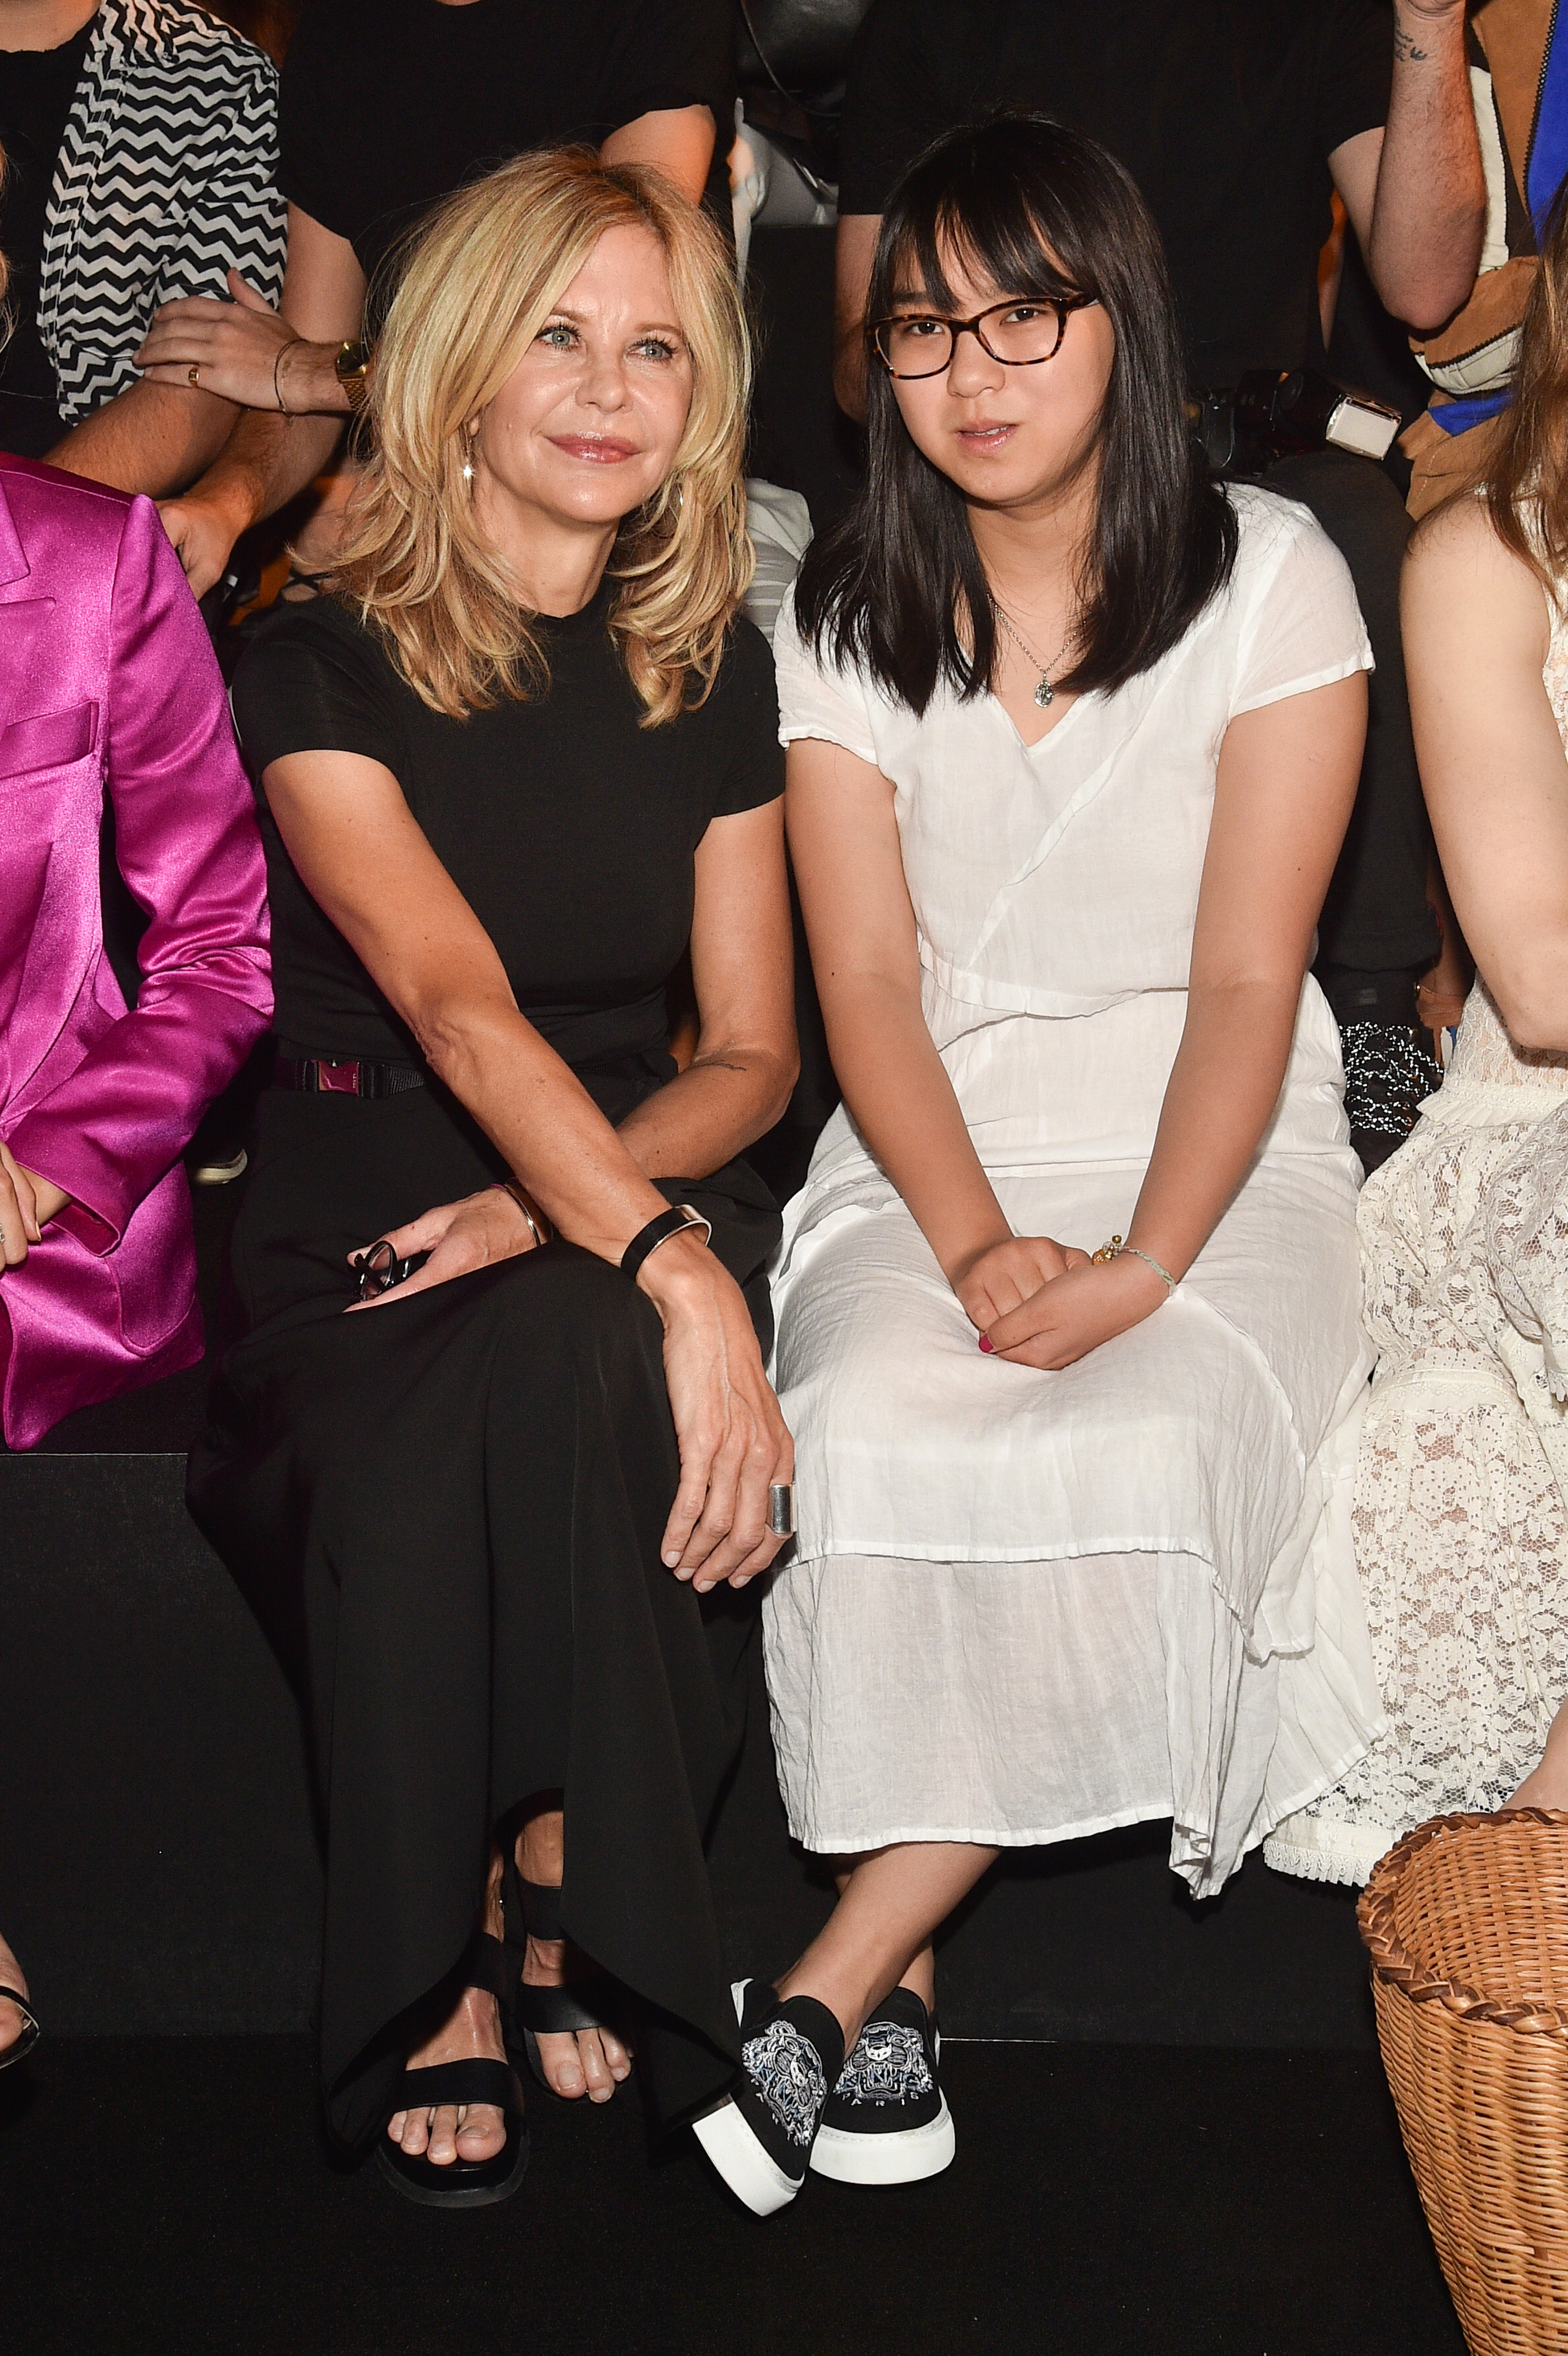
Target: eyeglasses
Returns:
[1019, 334]
[378, 1269]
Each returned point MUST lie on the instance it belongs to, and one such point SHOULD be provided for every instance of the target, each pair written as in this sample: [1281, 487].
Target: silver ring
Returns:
[780, 1509]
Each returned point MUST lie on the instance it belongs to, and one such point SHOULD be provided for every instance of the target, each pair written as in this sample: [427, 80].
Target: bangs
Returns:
[990, 231]
[1040, 212]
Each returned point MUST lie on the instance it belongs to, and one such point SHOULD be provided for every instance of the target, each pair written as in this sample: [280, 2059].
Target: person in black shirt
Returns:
[1239, 119]
[100, 101]
[385, 106]
[37, 87]
[519, 762]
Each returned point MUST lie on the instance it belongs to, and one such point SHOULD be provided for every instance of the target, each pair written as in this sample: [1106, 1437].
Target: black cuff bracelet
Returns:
[658, 1231]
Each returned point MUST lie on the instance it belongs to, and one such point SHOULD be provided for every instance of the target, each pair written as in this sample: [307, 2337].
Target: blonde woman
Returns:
[514, 769]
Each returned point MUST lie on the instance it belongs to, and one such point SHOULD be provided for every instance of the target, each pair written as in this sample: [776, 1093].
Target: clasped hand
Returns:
[233, 346]
[1041, 1304]
[732, 1438]
[26, 1202]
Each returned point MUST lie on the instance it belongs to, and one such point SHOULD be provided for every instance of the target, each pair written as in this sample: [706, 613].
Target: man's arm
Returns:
[250, 352]
[1414, 191]
[151, 437]
[857, 246]
[253, 354]
[676, 140]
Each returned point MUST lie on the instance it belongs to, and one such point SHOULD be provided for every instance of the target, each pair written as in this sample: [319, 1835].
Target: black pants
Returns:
[1376, 920]
[462, 1496]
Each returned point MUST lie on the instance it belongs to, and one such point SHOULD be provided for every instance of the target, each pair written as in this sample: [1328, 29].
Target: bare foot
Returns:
[11, 1975]
[470, 2131]
[591, 2061]
[448, 2131]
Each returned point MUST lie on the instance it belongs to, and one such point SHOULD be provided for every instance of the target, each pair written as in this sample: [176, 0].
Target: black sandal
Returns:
[531, 1910]
[31, 2032]
[464, 2183]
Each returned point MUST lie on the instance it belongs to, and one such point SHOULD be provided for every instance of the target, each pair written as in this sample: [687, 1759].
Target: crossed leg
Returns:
[879, 1937]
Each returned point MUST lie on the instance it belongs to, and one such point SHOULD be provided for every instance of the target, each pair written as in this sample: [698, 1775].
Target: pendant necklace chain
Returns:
[1045, 694]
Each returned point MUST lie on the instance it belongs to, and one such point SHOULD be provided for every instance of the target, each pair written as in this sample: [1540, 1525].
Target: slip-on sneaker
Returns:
[887, 2120]
[760, 2137]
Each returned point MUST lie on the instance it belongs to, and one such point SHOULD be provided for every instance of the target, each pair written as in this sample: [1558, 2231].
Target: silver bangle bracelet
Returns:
[510, 1186]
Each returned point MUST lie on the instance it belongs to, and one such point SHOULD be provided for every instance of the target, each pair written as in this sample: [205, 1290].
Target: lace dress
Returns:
[1461, 1509]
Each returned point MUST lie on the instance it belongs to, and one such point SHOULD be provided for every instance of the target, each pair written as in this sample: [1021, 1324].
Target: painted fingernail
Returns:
[986, 1345]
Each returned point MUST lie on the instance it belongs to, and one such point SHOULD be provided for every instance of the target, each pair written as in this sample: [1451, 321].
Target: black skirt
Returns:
[459, 1499]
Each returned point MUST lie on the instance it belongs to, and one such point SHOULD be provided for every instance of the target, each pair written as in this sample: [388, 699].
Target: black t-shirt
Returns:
[37, 87]
[1225, 112]
[570, 829]
[388, 105]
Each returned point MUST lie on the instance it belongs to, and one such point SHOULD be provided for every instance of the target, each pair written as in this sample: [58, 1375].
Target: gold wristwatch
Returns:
[352, 365]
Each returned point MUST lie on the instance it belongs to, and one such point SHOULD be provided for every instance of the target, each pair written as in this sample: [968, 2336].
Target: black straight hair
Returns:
[1033, 208]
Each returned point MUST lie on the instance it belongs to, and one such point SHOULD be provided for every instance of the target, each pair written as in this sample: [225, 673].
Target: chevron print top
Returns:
[166, 178]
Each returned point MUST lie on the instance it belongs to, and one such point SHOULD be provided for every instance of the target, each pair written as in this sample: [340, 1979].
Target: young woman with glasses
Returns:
[500, 1416]
[1067, 1310]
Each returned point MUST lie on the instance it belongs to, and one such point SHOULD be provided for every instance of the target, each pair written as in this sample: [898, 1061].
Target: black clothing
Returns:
[617, 807]
[466, 1488]
[1225, 113]
[1376, 917]
[387, 106]
[37, 87]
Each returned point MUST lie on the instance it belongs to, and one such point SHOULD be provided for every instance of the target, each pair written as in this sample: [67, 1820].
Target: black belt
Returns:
[357, 1076]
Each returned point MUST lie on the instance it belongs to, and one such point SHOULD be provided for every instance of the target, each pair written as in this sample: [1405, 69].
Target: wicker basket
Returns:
[1466, 1922]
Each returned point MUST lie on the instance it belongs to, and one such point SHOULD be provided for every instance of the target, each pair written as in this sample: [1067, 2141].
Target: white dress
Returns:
[1028, 1605]
[1460, 1520]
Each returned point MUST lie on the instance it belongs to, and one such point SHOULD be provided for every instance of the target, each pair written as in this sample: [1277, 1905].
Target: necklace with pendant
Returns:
[1045, 694]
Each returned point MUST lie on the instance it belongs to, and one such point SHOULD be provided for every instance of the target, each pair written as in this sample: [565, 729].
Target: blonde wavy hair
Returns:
[478, 284]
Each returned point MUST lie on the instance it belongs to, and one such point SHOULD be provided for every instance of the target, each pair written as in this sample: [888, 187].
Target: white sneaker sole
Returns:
[901, 2157]
[740, 2160]
[752, 2177]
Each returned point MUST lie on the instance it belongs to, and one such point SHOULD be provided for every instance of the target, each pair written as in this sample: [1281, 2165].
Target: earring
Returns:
[468, 470]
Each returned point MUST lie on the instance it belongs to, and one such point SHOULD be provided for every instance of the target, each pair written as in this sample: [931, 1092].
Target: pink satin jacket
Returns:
[108, 682]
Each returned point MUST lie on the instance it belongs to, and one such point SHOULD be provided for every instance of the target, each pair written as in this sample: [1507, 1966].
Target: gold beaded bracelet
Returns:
[1116, 1248]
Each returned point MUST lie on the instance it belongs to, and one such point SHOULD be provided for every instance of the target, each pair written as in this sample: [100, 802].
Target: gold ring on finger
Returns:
[193, 374]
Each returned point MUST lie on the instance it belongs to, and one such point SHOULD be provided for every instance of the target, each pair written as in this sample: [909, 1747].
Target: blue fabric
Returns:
[1549, 146]
[1547, 171]
[1458, 416]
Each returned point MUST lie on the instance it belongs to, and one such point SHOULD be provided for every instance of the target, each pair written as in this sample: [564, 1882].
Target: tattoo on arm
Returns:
[1405, 46]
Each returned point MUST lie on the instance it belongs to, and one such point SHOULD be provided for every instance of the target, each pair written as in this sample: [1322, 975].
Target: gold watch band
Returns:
[352, 365]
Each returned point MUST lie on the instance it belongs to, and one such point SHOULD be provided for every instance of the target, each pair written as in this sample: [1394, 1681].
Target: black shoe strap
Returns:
[541, 1908]
[473, 2082]
[485, 1965]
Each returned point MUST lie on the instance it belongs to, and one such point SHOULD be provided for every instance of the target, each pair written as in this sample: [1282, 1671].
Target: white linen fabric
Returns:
[1461, 1513]
[1026, 1605]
